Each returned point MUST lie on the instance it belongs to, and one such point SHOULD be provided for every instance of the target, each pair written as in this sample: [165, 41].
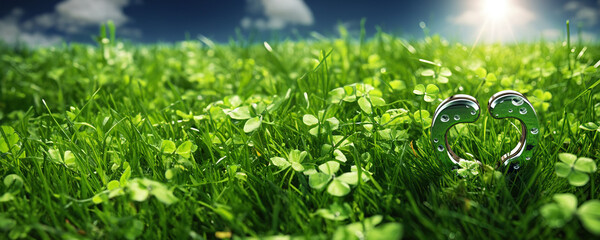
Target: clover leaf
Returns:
[590, 126]
[240, 113]
[252, 124]
[560, 211]
[369, 228]
[335, 212]
[589, 214]
[422, 117]
[575, 169]
[539, 99]
[468, 168]
[295, 158]
[429, 93]
[9, 141]
[311, 120]
[336, 185]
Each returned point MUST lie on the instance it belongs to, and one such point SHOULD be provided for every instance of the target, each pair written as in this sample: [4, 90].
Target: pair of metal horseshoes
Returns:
[463, 108]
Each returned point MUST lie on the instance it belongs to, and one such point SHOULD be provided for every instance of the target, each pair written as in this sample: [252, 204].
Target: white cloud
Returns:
[277, 14]
[469, 18]
[572, 5]
[585, 37]
[70, 17]
[11, 32]
[73, 15]
[585, 14]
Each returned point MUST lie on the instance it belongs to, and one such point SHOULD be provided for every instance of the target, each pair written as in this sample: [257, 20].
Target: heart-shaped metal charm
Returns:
[465, 109]
[457, 109]
[513, 104]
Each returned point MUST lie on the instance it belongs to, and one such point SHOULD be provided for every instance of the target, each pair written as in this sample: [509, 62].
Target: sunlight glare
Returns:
[496, 9]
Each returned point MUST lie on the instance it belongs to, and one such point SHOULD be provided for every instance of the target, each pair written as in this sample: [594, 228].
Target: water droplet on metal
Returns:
[523, 110]
[445, 118]
[456, 117]
[440, 148]
[517, 101]
[534, 131]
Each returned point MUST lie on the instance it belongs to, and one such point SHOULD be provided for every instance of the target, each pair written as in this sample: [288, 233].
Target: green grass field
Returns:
[317, 138]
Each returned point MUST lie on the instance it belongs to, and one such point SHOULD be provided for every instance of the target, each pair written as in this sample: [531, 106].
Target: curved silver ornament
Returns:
[456, 109]
[512, 104]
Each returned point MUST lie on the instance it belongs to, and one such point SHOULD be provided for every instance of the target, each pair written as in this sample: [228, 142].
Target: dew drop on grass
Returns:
[516, 166]
[456, 117]
[435, 140]
[517, 101]
[445, 118]
[510, 110]
[523, 110]
[534, 131]
[473, 112]
[440, 148]
[527, 158]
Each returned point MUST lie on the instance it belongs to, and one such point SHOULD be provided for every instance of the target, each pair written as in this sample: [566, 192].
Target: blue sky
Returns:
[37, 22]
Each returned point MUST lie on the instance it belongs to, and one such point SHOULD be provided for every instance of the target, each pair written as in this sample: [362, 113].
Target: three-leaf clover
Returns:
[575, 169]
[310, 120]
[337, 186]
[243, 113]
[423, 117]
[295, 158]
[560, 211]
[564, 207]
[468, 168]
[539, 99]
[429, 93]
[367, 102]
[441, 77]
[184, 150]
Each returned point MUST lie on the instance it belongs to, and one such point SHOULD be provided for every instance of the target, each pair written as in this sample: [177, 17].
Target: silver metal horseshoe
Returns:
[456, 109]
[513, 104]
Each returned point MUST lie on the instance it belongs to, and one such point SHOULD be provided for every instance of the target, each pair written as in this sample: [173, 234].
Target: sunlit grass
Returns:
[315, 138]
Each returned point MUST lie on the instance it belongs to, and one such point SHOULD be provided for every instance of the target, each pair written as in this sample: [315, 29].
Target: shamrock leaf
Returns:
[252, 124]
[590, 126]
[560, 211]
[589, 214]
[468, 168]
[575, 169]
[240, 113]
[310, 120]
[295, 158]
[429, 93]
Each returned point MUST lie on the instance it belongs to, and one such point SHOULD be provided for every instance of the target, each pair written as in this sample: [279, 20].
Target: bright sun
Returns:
[497, 18]
[496, 9]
